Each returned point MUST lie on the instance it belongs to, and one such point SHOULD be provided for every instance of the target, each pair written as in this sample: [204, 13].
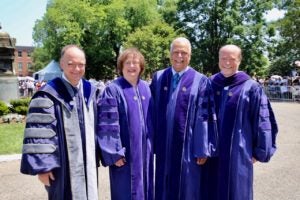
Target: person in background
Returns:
[25, 89]
[38, 85]
[30, 88]
[247, 129]
[124, 130]
[59, 137]
[184, 126]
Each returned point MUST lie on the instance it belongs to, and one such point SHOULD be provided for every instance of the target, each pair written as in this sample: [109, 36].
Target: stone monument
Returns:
[9, 86]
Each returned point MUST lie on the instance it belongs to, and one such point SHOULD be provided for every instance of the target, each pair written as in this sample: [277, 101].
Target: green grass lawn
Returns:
[11, 138]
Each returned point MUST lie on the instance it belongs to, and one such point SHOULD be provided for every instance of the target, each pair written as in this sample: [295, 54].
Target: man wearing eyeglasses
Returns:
[185, 126]
[59, 138]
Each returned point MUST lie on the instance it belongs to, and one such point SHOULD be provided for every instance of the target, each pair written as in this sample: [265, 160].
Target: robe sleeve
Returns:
[108, 129]
[265, 128]
[205, 139]
[40, 151]
[154, 92]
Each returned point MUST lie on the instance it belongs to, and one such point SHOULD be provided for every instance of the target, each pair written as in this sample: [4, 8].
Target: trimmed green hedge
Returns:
[4, 109]
[20, 106]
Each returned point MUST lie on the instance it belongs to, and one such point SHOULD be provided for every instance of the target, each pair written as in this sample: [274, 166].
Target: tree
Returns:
[168, 10]
[286, 50]
[41, 58]
[62, 24]
[210, 24]
[154, 43]
[100, 27]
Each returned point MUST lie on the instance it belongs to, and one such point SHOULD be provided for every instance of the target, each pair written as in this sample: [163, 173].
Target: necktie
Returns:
[175, 81]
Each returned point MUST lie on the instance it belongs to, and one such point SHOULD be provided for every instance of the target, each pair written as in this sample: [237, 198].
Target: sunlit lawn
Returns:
[11, 137]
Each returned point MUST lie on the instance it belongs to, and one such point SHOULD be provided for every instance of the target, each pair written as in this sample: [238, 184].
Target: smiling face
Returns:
[131, 68]
[131, 64]
[73, 64]
[180, 54]
[229, 60]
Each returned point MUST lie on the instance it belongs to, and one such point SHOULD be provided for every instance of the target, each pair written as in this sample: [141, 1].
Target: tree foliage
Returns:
[103, 27]
[41, 58]
[100, 27]
[210, 24]
[286, 51]
[154, 43]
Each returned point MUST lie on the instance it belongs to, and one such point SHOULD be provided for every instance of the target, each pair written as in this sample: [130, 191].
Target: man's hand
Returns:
[120, 162]
[253, 160]
[201, 161]
[45, 178]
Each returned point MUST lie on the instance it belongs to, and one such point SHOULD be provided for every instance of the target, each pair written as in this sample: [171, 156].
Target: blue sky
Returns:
[17, 17]
[274, 14]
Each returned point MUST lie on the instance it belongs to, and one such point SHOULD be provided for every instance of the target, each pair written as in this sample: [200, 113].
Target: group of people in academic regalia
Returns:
[183, 137]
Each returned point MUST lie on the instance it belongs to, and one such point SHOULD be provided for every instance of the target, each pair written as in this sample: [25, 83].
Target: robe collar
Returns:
[181, 72]
[125, 83]
[236, 79]
[60, 90]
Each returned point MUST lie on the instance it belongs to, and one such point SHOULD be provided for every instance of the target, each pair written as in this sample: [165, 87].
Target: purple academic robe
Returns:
[185, 129]
[247, 128]
[45, 145]
[124, 131]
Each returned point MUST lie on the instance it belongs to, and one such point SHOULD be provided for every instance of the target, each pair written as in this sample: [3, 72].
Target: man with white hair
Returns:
[184, 124]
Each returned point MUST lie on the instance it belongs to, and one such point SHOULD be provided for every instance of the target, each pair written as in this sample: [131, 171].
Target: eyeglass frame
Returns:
[75, 65]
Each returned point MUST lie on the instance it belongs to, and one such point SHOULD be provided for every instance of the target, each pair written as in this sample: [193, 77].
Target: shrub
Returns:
[20, 106]
[3, 108]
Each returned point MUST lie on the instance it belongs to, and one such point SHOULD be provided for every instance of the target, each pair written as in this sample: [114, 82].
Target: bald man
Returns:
[59, 138]
[247, 129]
[185, 126]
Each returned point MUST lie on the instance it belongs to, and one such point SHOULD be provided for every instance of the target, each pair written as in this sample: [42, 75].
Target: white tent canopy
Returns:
[51, 71]
[21, 78]
[276, 77]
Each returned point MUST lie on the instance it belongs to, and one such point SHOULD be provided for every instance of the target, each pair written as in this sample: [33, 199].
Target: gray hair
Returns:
[181, 40]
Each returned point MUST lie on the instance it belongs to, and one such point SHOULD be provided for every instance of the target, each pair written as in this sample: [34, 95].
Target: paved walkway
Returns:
[280, 178]
[16, 186]
[277, 180]
[6, 158]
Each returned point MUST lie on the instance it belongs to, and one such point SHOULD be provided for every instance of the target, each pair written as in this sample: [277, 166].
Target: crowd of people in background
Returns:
[281, 88]
[28, 87]
[276, 87]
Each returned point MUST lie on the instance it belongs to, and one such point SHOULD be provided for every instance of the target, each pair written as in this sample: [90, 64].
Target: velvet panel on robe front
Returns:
[124, 130]
[185, 129]
[247, 128]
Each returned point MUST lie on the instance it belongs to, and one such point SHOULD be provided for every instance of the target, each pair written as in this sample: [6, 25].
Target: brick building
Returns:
[23, 64]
